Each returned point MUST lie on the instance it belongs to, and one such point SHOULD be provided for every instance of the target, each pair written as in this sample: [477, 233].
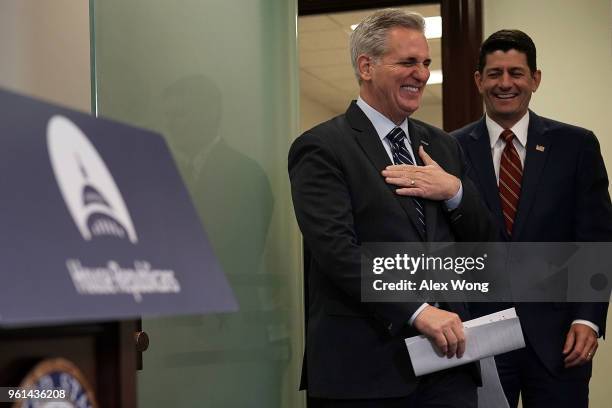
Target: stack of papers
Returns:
[485, 336]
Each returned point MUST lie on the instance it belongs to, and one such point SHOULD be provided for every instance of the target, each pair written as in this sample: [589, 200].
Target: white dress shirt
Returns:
[497, 144]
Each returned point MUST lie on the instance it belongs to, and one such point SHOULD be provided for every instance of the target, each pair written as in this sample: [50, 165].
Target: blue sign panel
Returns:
[96, 223]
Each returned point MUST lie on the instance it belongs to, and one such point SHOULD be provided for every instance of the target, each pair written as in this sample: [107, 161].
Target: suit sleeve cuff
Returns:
[453, 203]
[418, 312]
[585, 322]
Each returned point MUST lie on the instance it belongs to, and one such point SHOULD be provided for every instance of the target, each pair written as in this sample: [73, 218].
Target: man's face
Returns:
[506, 84]
[393, 84]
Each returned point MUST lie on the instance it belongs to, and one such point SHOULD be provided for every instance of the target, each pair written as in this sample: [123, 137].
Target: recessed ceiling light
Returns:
[435, 77]
[433, 27]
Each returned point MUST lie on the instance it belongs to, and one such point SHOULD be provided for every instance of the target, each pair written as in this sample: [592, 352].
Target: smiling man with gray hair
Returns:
[374, 175]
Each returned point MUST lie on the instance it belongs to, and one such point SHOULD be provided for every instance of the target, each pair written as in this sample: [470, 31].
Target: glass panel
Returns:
[219, 80]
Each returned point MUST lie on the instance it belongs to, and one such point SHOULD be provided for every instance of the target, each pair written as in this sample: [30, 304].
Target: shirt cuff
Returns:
[418, 312]
[586, 323]
[453, 203]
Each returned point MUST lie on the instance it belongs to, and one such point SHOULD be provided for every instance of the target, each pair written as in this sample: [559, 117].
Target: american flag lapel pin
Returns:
[540, 148]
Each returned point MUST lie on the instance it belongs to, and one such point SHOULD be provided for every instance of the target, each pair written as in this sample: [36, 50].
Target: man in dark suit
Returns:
[345, 192]
[544, 181]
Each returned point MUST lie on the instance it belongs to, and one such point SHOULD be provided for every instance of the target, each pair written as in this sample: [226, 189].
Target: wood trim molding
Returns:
[461, 38]
[306, 7]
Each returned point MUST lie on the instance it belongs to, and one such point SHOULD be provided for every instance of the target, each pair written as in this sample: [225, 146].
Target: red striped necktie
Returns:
[510, 177]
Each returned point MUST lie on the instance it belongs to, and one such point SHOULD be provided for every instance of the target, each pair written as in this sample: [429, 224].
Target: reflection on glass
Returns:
[182, 72]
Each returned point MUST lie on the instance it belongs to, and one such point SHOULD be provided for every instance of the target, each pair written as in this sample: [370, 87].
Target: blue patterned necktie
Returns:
[401, 155]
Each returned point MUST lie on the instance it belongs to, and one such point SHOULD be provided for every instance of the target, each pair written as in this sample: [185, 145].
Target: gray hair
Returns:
[370, 36]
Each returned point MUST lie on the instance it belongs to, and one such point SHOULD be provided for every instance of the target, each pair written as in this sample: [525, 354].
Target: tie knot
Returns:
[507, 135]
[397, 135]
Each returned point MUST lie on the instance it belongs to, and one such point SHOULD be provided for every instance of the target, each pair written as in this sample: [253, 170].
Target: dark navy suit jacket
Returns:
[564, 198]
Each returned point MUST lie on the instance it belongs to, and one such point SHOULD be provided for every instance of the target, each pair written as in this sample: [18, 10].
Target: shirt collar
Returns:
[519, 129]
[382, 124]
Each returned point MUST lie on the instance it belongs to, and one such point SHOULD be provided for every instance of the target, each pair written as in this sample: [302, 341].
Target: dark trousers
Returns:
[522, 372]
[454, 388]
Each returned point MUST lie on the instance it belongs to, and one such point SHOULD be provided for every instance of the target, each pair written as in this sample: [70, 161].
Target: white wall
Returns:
[574, 54]
[573, 38]
[430, 113]
[312, 113]
[44, 50]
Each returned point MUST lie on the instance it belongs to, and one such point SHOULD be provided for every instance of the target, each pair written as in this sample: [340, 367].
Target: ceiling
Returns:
[326, 75]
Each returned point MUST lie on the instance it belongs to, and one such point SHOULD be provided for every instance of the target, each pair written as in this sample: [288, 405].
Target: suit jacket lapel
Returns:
[419, 137]
[479, 151]
[370, 143]
[538, 146]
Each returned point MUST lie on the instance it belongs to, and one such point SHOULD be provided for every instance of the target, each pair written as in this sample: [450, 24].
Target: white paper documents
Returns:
[491, 394]
[486, 336]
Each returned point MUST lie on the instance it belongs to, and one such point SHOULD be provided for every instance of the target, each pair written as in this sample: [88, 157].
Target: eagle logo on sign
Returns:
[87, 186]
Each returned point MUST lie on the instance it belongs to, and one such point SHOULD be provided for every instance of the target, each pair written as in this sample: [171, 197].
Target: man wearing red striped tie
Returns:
[544, 181]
